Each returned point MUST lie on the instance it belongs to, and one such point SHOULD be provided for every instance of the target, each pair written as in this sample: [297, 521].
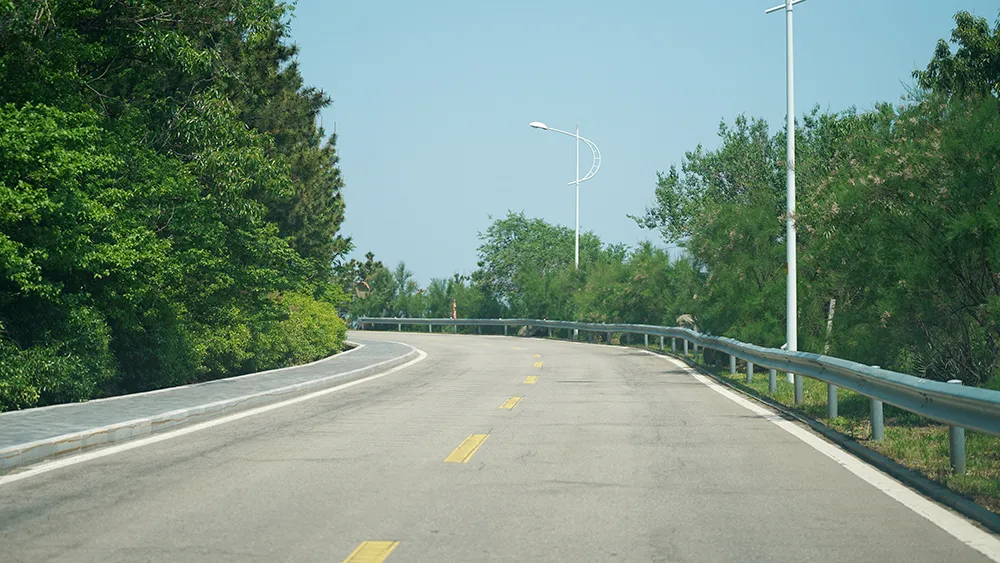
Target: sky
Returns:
[432, 100]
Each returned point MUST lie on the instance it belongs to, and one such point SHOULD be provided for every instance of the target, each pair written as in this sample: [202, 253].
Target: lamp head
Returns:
[539, 125]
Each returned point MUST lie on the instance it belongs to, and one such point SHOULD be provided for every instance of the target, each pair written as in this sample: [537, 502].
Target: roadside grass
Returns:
[916, 442]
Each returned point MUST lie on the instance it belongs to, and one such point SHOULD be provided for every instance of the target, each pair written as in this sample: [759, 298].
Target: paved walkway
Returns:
[31, 425]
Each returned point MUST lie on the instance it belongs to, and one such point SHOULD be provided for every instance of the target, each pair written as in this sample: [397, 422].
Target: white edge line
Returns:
[45, 467]
[177, 416]
[357, 346]
[957, 526]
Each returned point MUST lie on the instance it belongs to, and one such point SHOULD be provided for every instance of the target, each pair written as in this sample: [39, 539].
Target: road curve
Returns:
[608, 454]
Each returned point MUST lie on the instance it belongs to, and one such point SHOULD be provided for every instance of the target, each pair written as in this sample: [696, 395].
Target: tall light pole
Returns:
[791, 306]
[593, 170]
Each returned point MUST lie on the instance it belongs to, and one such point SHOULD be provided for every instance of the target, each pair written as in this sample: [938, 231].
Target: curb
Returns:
[31, 452]
[932, 489]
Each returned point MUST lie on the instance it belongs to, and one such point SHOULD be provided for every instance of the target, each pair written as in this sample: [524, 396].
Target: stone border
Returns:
[24, 454]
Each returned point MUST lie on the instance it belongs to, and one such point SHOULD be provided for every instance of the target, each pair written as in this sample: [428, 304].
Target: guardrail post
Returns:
[480, 329]
[609, 338]
[645, 340]
[749, 372]
[550, 332]
[772, 380]
[673, 345]
[505, 330]
[661, 344]
[456, 329]
[732, 364]
[878, 425]
[956, 439]
[685, 347]
[576, 334]
[429, 328]
[831, 400]
[399, 327]
[798, 389]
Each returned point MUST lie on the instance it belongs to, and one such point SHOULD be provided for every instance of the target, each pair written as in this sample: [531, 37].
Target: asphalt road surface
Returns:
[490, 449]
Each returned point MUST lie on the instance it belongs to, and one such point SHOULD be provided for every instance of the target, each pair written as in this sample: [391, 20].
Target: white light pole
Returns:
[593, 170]
[791, 326]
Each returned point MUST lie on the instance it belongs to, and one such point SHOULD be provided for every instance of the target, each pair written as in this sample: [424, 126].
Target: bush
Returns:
[308, 330]
[312, 330]
[72, 366]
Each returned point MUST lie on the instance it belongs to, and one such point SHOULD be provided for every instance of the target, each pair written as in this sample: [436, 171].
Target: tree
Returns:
[910, 231]
[973, 69]
[155, 228]
[517, 254]
[726, 209]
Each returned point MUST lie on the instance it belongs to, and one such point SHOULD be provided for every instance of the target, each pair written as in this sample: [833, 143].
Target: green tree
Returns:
[973, 69]
[519, 259]
[726, 209]
[910, 231]
[155, 230]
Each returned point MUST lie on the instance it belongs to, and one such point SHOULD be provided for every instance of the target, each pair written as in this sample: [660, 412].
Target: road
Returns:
[611, 454]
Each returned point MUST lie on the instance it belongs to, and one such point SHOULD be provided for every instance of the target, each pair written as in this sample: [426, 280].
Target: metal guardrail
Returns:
[957, 406]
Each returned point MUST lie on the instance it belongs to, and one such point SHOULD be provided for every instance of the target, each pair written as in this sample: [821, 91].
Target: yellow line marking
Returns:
[537, 355]
[538, 364]
[531, 379]
[371, 552]
[516, 348]
[510, 403]
[464, 451]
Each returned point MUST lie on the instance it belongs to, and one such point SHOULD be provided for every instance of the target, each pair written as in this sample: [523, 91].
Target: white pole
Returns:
[791, 301]
[576, 258]
[593, 170]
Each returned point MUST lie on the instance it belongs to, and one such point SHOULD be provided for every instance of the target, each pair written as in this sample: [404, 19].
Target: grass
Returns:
[914, 441]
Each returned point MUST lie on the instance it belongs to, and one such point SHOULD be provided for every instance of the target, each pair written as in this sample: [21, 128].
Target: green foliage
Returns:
[168, 208]
[71, 363]
[916, 244]
[898, 236]
[309, 330]
[726, 208]
[517, 252]
[974, 68]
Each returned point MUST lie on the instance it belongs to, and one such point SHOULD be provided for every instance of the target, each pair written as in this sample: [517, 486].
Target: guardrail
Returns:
[950, 403]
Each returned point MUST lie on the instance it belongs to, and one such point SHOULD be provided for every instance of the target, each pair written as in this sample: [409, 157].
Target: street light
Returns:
[593, 170]
[791, 326]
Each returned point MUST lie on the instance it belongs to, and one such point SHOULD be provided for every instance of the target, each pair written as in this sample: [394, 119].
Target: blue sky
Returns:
[432, 100]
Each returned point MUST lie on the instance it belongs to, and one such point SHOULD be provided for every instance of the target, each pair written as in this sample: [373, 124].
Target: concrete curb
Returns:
[32, 452]
[935, 491]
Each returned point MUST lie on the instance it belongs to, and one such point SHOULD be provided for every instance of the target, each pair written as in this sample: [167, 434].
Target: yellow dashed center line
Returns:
[464, 452]
[531, 379]
[371, 552]
[538, 364]
[516, 348]
[510, 403]
[537, 355]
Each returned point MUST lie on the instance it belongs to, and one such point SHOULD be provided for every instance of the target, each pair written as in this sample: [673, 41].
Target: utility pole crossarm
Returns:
[783, 7]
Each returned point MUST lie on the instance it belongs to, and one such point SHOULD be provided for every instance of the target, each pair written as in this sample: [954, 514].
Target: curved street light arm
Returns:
[596, 163]
[593, 149]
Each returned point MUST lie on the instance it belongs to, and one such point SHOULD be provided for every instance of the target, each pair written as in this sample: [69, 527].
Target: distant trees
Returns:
[899, 234]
